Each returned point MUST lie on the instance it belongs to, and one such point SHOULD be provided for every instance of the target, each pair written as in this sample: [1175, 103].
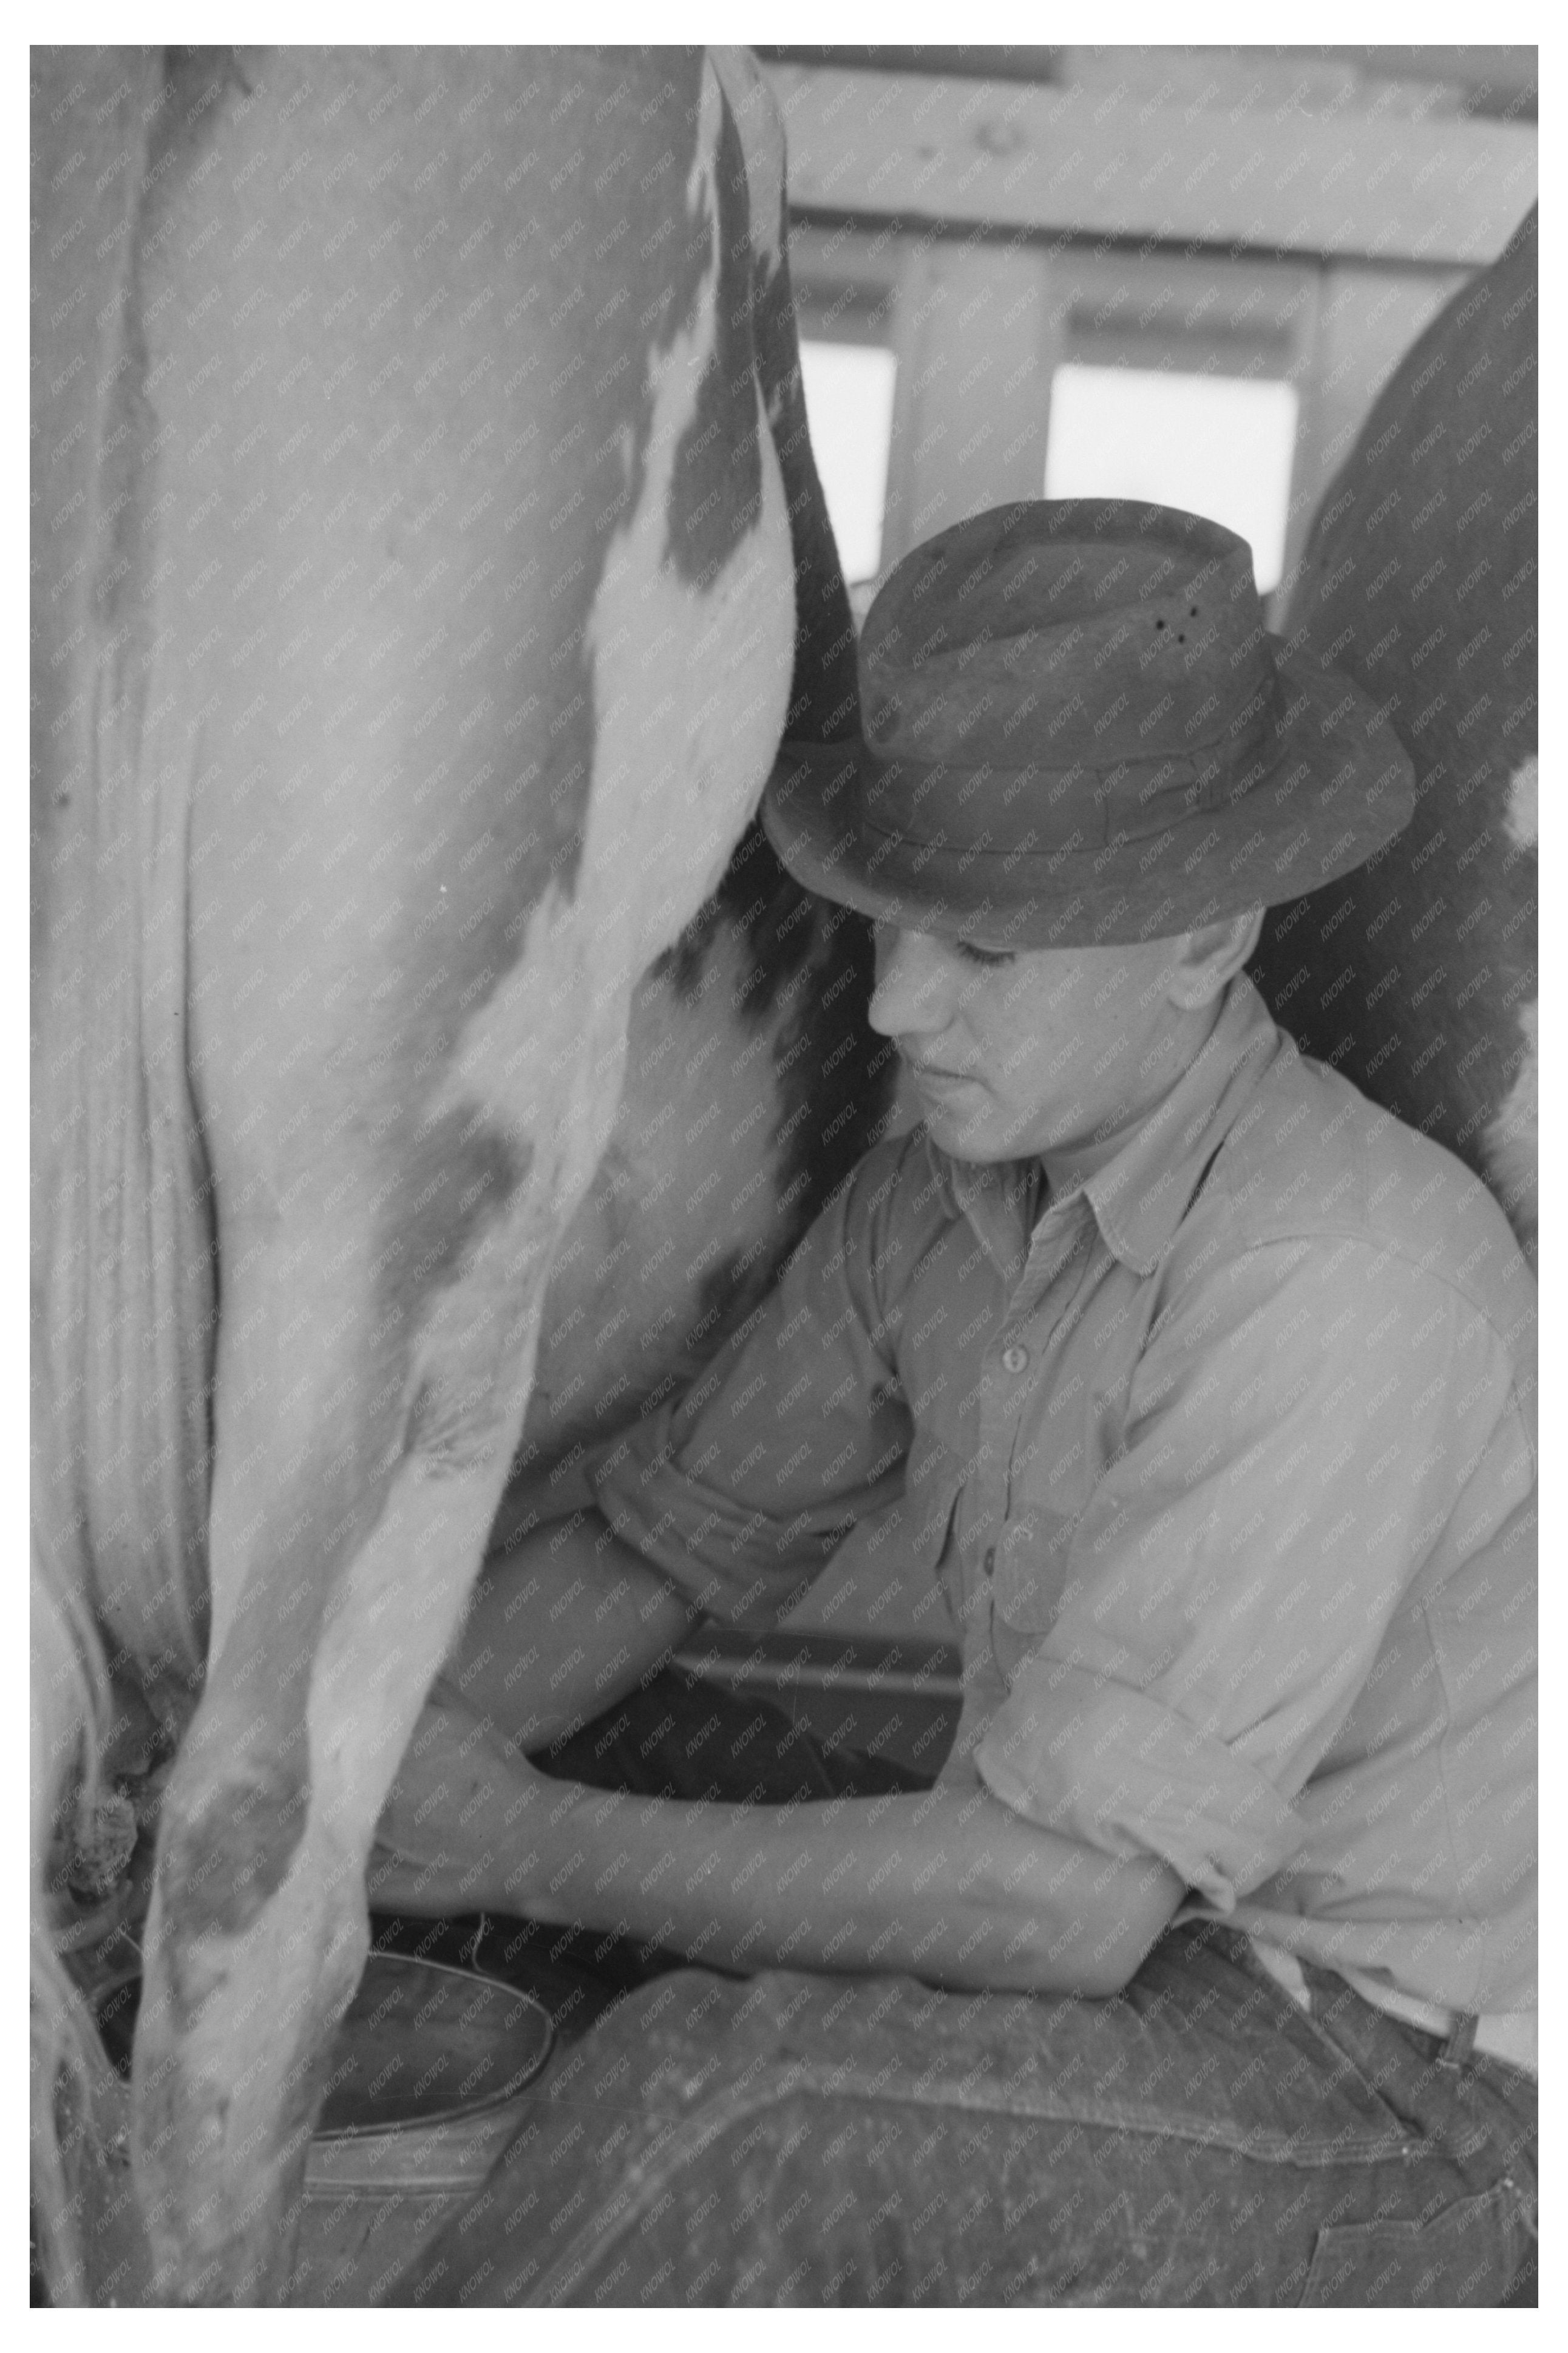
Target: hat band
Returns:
[1093, 807]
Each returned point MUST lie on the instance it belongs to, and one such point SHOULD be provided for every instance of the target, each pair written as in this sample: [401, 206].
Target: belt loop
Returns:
[1460, 2045]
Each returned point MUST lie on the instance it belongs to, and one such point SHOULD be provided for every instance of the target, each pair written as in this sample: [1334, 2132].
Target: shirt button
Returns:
[1015, 1358]
[990, 1560]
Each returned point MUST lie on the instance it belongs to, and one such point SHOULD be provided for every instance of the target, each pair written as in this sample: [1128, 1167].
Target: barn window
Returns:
[849, 407]
[1218, 444]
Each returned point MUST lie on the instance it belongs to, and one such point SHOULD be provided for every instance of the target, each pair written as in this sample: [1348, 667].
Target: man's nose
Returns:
[913, 995]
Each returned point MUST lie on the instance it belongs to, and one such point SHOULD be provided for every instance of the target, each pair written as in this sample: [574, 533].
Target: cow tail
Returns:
[75, 2094]
[824, 702]
[124, 1279]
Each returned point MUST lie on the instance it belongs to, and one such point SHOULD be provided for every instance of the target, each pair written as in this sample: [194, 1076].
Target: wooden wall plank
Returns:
[973, 433]
[1012, 156]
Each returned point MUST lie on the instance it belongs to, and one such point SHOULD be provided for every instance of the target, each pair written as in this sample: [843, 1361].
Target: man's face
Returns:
[1049, 1052]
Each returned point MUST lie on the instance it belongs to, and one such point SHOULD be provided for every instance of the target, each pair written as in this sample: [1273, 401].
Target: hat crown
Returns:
[1077, 729]
[1065, 633]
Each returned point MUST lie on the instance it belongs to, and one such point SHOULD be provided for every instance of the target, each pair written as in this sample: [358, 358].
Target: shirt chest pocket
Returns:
[1028, 1581]
[934, 1482]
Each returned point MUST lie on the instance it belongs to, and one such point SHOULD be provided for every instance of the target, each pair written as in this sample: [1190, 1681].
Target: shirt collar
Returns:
[1140, 1197]
[1001, 1199]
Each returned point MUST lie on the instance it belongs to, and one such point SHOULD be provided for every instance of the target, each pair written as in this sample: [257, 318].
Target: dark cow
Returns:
[423, 520]
[1416, 975]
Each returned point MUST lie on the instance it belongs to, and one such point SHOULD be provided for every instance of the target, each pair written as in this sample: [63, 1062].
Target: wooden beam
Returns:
[985, 61]
[920, 149]
[1496, 78]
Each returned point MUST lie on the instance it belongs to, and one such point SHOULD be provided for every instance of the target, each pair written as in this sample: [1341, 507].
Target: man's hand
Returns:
[459, 1819]
[563, 1620]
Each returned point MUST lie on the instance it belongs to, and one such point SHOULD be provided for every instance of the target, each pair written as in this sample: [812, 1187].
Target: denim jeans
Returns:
[1199, 2139]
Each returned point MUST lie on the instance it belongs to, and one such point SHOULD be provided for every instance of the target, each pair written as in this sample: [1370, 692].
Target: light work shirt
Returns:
[1225, 1465]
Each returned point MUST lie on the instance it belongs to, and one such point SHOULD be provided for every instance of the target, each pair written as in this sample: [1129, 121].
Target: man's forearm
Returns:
[952, 1885]
[560, 1627]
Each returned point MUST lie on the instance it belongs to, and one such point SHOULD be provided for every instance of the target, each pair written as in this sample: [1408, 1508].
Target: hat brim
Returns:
[1340, 787]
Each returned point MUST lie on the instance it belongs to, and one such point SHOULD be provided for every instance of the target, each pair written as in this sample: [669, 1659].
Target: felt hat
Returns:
[1077, 730]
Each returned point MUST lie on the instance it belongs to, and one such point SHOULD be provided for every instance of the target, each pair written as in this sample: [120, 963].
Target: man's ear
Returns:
[1212, 957]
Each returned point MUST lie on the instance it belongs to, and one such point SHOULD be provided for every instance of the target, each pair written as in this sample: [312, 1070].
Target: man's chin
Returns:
[960, 1139]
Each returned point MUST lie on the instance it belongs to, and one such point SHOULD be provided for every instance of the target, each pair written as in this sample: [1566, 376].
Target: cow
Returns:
[427, 559]
[1416, 974]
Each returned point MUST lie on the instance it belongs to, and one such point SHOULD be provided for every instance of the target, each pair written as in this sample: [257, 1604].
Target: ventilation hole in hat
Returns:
[1192, 612]
[1159, 625]
[1181, 637]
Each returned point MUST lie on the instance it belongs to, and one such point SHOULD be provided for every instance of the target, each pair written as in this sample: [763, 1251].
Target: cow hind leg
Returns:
[258, 1914]
[358, 1494]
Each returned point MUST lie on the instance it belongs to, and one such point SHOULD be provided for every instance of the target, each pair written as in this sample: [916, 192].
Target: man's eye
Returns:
[971, 954]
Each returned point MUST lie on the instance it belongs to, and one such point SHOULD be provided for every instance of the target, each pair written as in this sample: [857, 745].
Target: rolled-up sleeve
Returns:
[1302, 1435]
[740, 1490]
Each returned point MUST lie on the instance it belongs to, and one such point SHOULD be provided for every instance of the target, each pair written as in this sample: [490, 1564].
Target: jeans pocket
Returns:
[1330, 2106]
[1348, 2057]
[1465, 2256]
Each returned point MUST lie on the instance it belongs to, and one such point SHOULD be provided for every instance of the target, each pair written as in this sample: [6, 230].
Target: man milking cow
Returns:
[1205, 1390]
